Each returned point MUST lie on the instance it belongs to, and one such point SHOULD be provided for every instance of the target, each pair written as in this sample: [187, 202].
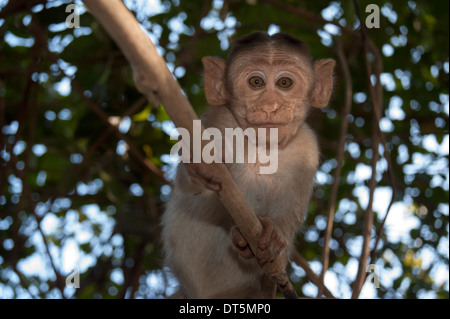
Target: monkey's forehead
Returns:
[271, 59]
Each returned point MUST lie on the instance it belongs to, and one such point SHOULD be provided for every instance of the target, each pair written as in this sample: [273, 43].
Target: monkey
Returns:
[267, 81]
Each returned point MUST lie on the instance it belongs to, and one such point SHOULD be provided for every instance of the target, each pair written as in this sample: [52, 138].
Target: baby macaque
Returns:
[266, 82]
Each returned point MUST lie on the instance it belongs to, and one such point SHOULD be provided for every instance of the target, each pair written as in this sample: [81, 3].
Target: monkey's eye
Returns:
[284, 83]
[256, 82]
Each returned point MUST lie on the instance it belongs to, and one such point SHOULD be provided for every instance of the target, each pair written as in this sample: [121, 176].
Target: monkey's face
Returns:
[271, 90]
[267, 86]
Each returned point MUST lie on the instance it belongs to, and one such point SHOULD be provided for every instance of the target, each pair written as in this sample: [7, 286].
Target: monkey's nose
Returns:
[268, 109]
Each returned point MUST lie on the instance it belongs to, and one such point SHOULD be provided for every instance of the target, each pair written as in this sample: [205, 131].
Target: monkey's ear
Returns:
[323, 85]
[214, 81]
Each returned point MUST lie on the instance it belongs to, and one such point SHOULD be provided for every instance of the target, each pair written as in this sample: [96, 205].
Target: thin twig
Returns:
[315, 279]
[310, 16]
[368, 218]
[3, 172]
[29, 112]
[340, 158]
[368, 214]
[376, 94]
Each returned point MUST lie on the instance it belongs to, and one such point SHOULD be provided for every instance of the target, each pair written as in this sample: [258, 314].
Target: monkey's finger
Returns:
[215, 184]
[263, 256]
[273, 246]
[213, 187]
[240, 243]
[216, 187]
[277, 245]
[197, 180]
[209, 182]
[245, 252]
[237, 238]
[277, 248]
[266, 235]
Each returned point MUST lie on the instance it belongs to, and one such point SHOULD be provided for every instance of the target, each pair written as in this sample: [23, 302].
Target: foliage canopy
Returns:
[84, 156]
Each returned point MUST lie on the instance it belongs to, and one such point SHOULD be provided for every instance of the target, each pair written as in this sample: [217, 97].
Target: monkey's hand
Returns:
[200, 174]
[270, 245]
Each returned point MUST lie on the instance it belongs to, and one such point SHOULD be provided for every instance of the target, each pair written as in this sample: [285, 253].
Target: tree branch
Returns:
[376, 96]
[302, 262]
[310, 16]
[340, 158]
[157, 83]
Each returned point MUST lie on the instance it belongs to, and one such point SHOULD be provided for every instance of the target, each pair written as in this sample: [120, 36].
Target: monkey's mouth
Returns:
[270, 125]
[270, 121]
